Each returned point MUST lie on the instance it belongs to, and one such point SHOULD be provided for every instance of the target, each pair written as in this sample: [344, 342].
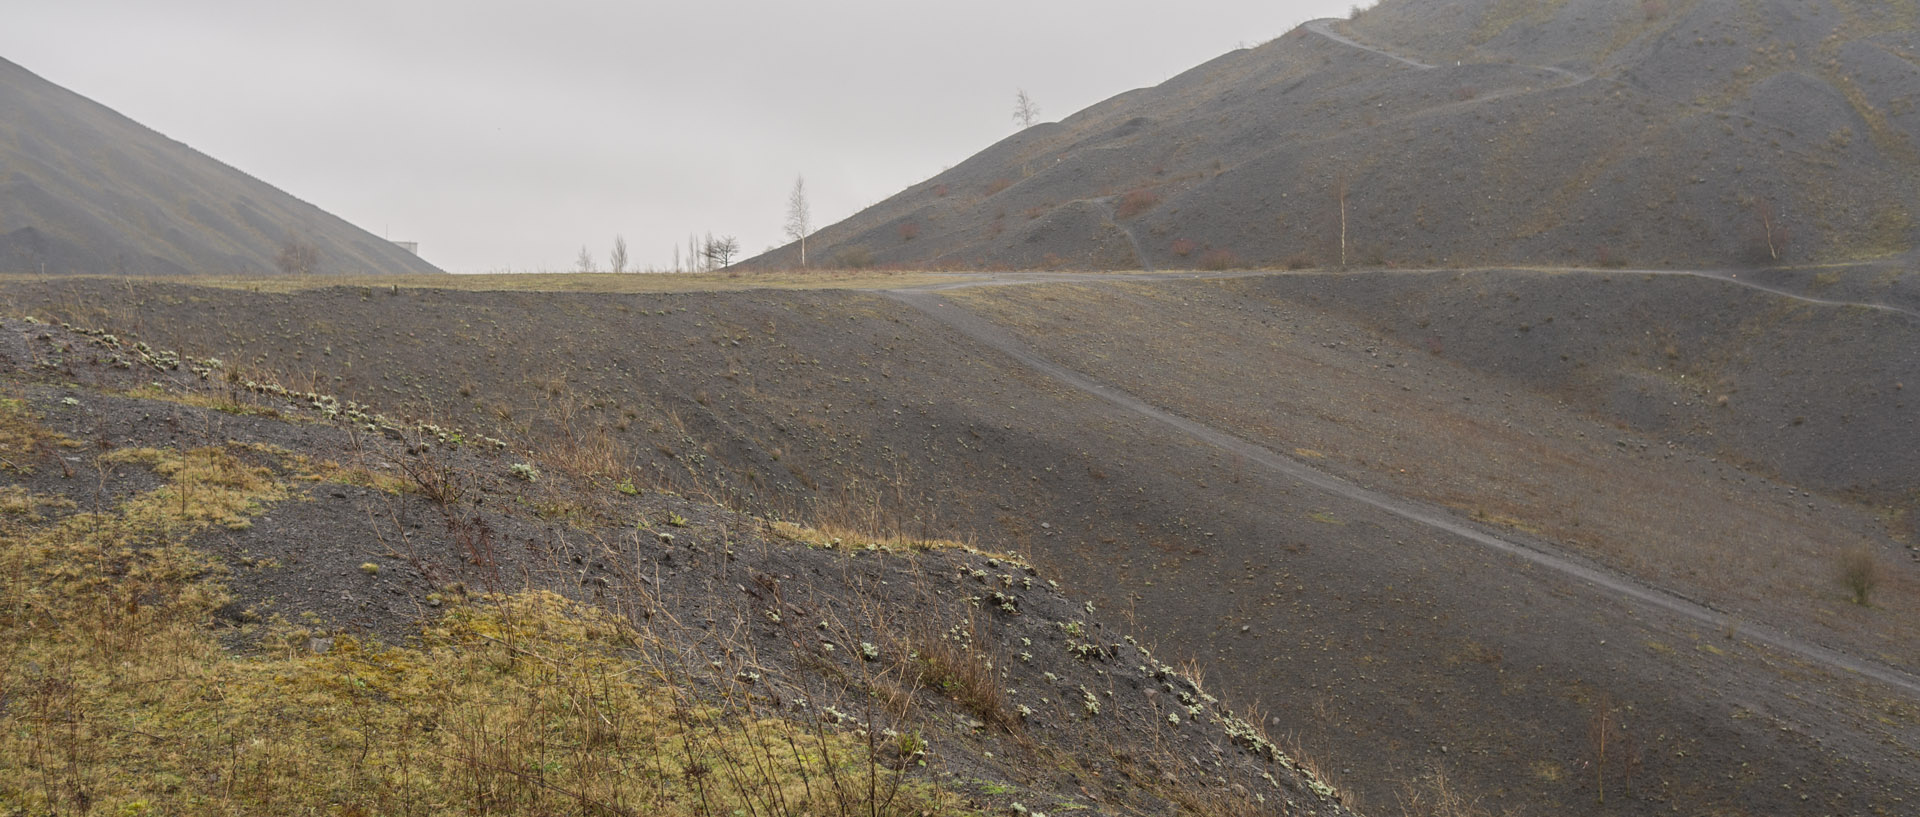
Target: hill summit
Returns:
[86, 190]
[1661, 133]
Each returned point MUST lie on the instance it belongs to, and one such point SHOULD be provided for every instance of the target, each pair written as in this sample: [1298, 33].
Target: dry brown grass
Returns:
[1435, 795]
[122, 701]
[1859, 572]
[955, 664]
[1136, 202]
[567, 282]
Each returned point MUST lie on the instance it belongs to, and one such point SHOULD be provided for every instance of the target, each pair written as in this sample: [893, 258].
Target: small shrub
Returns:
[1136, 202]
[909, 231]
[1299, 260]
[998, 185]
[965, 675]
[1434, 795]
[1184, 247]
[1860, 574]
[524, 472]
[854, 257]
[1219, 260]
[434, 479]
[941, 190]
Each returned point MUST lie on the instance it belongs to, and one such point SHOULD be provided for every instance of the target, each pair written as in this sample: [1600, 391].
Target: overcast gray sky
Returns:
[506, 135]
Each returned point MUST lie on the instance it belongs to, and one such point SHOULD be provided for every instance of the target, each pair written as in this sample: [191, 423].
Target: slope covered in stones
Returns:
[225, 596]
[1509, 402]
[86, 190]
[1448, 133]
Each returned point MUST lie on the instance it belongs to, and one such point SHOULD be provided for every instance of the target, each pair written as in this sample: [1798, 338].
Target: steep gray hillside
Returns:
[1663, 133]
[86, 190]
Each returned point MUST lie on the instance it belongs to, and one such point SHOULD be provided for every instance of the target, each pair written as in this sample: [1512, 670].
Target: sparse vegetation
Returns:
[519, 701]
[1611, 749]
[855, 257]
[1859, 572]
[298, 257]
[951, 664]
[1219, 259]
[1136, 202]
[1436, 795]
[1025, 111]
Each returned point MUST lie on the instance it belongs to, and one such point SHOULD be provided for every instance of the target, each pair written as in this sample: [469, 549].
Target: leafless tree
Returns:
[585, 261]
[1775, 234]
[1340, 191]
[1024, 109]
[1600, 734]
[719, 251]
[617, 260]
[297, 257]
[799, 218]
[1611, 745]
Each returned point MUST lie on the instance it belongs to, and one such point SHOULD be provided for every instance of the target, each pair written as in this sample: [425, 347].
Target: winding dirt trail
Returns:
[927, 299]
[1322, 28]
[963, 280]
[1733, 278]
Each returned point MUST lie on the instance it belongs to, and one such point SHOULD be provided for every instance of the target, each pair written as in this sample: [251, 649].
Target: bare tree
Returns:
[799, 219]
[1340, 191]
[617, 260]
[1775, 234]
[585, 261]
[1024, 109]
[297, 257]
[719, 251]
[1611, 744]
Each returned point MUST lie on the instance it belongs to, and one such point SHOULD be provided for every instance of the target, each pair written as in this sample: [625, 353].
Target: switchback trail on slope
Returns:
[1322, 28]
[928, 301]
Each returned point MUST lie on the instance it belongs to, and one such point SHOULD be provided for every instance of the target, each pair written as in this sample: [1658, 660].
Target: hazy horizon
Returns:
[505, 140]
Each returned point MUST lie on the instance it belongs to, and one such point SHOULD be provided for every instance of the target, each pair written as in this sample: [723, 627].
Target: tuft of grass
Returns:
[239, 405]
[1859, 573]
[1434, 795]
[955, 665]
[827, 536]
